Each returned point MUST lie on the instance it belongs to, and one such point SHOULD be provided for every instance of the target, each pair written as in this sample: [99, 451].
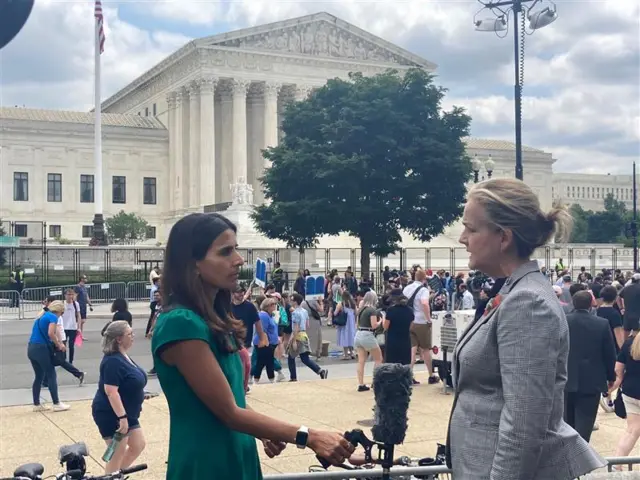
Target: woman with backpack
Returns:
[344, 318]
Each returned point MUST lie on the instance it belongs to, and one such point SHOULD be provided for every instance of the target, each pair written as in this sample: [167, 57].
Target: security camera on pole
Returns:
[538, 17]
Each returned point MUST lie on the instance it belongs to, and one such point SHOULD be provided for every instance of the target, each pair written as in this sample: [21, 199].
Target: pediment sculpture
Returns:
[320, 39]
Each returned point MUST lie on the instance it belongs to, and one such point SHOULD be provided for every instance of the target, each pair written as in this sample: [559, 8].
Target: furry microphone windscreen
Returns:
[392, 385]
[13, 16]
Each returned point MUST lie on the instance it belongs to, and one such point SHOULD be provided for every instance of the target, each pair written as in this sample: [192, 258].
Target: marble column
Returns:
[225, 161]
[271, 91]
[207, 142]
[239, 100]
[178, 202]
[171, 125]
[194, 145]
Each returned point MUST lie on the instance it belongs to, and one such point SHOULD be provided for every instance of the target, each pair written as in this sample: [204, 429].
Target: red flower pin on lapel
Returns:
[492, 305]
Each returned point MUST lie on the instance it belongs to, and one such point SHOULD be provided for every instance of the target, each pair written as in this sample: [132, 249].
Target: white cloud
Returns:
[582, 74]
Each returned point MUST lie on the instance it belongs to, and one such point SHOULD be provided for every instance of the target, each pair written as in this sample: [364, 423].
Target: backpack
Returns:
[284, 317]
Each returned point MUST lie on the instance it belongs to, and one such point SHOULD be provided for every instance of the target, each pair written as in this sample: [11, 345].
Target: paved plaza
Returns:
[330, 404]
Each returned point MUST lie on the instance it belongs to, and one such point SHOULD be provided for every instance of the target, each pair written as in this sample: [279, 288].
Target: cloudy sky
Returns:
[582, 74]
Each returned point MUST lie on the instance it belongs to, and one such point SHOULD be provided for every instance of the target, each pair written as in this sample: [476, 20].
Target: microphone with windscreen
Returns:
[13, 16]
[392, 384]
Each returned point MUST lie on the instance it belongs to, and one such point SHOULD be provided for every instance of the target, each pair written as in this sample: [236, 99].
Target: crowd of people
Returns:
[540, 356]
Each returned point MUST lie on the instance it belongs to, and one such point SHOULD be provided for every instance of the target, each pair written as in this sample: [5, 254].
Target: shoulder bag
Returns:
[341, 319]
[57, 356]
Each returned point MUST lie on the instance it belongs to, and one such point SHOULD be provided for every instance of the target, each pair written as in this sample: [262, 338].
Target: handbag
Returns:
[618, 405]
[57, 356]
[341, 319]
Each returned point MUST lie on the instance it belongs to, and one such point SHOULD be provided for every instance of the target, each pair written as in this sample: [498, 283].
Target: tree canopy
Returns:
[368, 156]
[126, 228]
[608, 226]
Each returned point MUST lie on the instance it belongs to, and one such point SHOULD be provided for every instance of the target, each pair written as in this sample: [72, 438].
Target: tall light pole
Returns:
[634, 221]
[500, 23]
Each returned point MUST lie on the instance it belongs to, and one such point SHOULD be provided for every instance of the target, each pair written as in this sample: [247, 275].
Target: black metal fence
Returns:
[61, 265]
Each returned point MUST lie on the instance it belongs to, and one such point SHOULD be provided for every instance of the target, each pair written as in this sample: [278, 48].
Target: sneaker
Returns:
[293, 380]
[60, 407]
[81, 378]
[280, 377]
[606, 403]
[363, 388]
[40, 408]
[433, 380]
[324, 373]
[152, 373]
[595, 427]
[415, 382]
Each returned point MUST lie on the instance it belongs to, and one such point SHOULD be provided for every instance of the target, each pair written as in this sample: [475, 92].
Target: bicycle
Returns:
[76, 469]
[384, 458]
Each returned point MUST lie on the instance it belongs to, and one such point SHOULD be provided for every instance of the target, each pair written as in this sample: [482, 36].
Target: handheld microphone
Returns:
[392, 385]
[13, 16]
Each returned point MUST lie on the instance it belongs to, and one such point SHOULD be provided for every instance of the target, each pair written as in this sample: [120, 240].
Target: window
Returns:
[20, 187]
[149, 190]
[155, 110]
[151, 232]
[87, 231]
[20, 230]
[54, 187]
[55, 231]
[119, 189]
[86, 189]
[146, 111]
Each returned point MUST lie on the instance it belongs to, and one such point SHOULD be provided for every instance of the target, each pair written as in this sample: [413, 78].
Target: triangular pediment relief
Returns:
[320, 35]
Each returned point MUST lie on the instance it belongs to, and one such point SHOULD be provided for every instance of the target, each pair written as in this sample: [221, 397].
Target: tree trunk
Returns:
[365, 259]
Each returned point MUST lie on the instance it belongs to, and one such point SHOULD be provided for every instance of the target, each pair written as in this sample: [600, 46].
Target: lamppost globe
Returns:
[476, 164]
[489, 165]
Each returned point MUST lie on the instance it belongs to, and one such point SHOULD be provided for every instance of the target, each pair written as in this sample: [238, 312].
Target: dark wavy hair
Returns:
[189, 241]
[119, 305]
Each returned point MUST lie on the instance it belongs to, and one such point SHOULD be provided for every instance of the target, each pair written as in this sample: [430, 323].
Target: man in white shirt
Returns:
[466, 303]
[418, 295]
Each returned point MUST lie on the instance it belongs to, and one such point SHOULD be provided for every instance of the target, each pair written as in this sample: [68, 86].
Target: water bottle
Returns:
[111, 449]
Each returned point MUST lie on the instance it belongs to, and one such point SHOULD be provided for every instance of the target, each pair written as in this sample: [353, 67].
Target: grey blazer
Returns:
[509, 373]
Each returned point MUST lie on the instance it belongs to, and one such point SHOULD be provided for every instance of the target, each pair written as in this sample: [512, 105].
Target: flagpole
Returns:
[98, 219]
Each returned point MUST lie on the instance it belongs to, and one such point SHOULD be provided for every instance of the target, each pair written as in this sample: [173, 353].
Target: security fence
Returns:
[60, 265]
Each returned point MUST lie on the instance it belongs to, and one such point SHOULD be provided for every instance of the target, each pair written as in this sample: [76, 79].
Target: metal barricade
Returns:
[32, 298]
[139, 291]
[444, 473]
[101, 293]
[10, 305]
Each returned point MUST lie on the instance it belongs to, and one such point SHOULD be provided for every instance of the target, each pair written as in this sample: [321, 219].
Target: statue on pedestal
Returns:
[241, 193]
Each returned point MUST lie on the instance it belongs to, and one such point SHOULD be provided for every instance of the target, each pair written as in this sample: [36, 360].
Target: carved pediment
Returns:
[319, 38]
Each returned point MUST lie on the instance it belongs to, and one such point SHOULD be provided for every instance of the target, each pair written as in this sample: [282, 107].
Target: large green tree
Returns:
[127, 228]
[606, 226]
[368, 156]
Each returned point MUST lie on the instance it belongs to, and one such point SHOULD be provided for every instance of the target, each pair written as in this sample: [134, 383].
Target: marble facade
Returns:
[222, 97]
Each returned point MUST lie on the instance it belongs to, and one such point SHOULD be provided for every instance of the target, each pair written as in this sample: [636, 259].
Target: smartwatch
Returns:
[302, 437]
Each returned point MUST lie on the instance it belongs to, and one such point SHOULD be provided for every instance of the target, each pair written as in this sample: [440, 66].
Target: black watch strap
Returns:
[122, 417]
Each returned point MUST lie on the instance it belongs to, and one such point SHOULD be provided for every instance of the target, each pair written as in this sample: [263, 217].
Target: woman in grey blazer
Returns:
[510, 365]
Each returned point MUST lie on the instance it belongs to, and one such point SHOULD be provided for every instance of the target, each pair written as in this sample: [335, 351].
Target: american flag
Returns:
[100, 21]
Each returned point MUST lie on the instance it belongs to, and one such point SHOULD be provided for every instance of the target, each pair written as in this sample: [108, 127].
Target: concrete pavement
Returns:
[332, 404]
[16, 374]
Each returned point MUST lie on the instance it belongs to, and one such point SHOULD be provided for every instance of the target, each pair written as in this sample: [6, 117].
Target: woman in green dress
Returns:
[195, 351]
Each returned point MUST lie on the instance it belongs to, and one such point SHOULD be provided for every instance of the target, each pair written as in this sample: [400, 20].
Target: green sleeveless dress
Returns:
[200, 445]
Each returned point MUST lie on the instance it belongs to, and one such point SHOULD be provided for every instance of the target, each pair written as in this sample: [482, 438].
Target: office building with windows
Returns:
[590, 190]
